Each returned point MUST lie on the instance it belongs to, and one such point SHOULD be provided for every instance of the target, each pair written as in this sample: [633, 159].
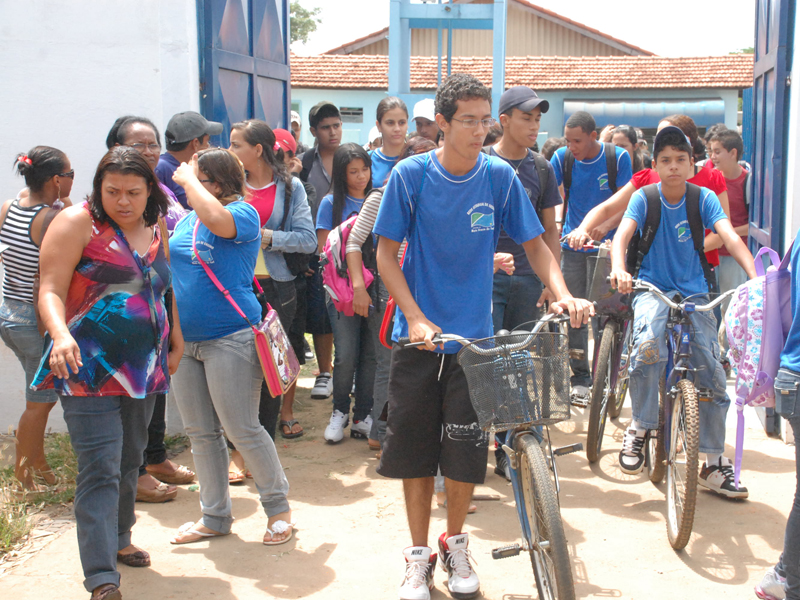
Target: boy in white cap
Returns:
[424, 117]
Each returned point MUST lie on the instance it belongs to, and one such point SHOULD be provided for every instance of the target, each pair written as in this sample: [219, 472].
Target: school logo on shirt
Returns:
[204, 250]
[603, 181]
[684, 231]
[481, 217]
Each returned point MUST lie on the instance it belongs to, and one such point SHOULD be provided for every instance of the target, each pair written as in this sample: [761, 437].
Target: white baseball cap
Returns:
[296, 118]
[425, 109]
[374, 134]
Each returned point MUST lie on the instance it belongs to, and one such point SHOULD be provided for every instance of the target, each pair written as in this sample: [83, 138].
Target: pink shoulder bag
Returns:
[275, 353]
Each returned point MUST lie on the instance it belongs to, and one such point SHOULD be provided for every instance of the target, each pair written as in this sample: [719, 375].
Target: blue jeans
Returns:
[354, 340]
[514, 300]
[730, 276]
[649, 360]
[787, 406]
[578, 271]
[20, 333]
[383, 358]
[218, 385]
[109, 434]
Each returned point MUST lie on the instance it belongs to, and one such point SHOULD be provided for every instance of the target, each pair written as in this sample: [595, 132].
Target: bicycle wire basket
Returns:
[518, 379]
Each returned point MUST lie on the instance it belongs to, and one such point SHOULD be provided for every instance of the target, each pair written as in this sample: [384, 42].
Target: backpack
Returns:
[540, 162]
[335, 278]
[757, 323]
[611, 170]
[296, 262]
[308, 163]
[640, 244]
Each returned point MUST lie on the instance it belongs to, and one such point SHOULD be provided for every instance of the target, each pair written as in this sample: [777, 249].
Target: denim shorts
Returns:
[786, 392]
[20, 333]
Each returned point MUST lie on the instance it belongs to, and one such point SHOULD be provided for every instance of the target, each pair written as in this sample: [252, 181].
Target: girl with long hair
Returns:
[391, 120]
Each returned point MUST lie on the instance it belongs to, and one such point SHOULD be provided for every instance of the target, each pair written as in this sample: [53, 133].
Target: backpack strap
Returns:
[641, 247]
[747, 192]
[611, 165]
[308, 163]
[287, 206]
[541, 164]
[566, 178]
[698, 232]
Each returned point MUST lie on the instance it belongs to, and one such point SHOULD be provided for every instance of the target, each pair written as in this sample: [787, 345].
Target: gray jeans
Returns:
[578, 271]
[218, 386]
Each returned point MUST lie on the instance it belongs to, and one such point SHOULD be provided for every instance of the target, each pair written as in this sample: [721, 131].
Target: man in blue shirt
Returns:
[450, 205]
[187, 133]
[590, 185]
[673, 265]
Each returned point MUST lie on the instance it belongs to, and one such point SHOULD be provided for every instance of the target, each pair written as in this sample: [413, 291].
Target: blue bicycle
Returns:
[516, 381]
[673, 449]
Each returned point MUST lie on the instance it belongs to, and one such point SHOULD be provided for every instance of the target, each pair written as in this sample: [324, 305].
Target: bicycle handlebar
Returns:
[640, 285]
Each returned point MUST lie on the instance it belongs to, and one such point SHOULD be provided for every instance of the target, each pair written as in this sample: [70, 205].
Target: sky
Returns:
[685, 27]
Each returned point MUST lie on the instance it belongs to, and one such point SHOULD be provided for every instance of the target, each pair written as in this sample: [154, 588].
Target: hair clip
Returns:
[276, 147]
[24, 158]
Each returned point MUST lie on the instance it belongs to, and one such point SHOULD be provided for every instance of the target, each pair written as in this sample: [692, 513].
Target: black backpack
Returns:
[611, 169]
[542, 170]
[297, 262]
[640, 245]
[308, 163]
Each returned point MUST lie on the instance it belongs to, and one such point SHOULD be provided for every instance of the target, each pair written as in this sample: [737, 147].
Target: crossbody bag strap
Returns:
[213, 277]
[162, 228]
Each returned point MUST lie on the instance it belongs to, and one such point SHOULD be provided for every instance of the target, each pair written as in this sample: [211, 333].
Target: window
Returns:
[351, 115]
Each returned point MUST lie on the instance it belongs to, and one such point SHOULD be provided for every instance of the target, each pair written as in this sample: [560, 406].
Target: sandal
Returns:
[109, 591]
[191, 529]
[37, 493]
[292, 434]
[140, 558]
[278, 527]
[180, 476]
[235, 476]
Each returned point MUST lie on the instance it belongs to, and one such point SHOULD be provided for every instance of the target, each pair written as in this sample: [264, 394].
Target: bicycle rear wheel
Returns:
[656, 455]
[682, 464]
[602, 392]
[618, 399]
[547, 544]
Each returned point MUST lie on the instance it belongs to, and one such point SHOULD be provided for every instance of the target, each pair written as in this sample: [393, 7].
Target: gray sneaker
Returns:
[323, 387]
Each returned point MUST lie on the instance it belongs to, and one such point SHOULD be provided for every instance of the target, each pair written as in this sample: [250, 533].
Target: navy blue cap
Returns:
[669, 130]
[523, 98]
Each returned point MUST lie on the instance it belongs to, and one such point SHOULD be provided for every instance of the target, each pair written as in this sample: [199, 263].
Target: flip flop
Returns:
[279, 526]
[189, 528]
[181, 476]
[290, 424]
[140, 558]
[236, 476]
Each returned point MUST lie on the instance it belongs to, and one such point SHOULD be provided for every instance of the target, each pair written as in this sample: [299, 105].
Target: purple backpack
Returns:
[335, 278]
[757, 322]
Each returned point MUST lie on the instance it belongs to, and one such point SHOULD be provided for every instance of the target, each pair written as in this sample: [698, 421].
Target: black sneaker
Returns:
[501, 464]
[631, 457]
[719, 478]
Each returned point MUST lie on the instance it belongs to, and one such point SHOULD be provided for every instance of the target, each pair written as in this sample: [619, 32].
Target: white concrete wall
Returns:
[792, 219]
[69, 69]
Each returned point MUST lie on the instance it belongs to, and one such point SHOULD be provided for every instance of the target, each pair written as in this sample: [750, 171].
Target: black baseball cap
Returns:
[523, 98]
[330, 108]
[671, 130]
[188, 126]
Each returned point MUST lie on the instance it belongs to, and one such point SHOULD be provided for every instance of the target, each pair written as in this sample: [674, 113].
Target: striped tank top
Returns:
[21, 260]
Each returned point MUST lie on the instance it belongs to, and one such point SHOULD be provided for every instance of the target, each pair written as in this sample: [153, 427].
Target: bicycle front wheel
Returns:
[602, 391]
[547, 544]
[682, 464]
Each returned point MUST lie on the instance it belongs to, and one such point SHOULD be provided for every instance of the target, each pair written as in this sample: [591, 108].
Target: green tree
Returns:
[303, 22]
[749, 50]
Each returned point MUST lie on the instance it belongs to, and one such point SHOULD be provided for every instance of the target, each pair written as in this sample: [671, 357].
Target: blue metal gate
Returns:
[244, 62]
[774, 20]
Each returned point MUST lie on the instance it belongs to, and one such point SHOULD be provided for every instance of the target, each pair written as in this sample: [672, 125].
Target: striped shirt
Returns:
[21, 260]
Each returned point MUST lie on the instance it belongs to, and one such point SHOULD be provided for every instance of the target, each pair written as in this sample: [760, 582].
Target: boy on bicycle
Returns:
[450, 204]
[673, 265]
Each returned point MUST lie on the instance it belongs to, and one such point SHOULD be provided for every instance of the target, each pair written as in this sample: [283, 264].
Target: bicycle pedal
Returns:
[564, 450]
[579, 402]
[506, 551]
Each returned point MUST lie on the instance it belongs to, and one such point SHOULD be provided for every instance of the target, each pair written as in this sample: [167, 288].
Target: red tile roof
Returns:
[341, 71]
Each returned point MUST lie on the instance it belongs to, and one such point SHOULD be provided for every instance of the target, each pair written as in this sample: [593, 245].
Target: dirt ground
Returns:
[351, 529]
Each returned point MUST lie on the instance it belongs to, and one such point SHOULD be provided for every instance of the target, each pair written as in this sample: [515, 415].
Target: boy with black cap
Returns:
[187, 133]
[674, 266]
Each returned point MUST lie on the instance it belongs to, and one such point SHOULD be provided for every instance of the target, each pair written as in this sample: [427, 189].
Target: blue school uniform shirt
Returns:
[205, 312]
[589, 186]
[382, 165]
[452, 224]
[672, 264]
[790, 357]
[325, 212]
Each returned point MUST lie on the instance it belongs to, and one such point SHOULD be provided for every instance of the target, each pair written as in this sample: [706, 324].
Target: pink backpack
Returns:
[335, 277]
[757, 322]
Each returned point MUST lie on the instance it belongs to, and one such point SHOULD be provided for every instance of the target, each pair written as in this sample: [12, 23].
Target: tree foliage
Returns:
[750, 50]
[303, 21]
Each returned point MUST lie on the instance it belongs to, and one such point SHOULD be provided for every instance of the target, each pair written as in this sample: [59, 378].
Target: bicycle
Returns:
[515, 381]
[673, 449]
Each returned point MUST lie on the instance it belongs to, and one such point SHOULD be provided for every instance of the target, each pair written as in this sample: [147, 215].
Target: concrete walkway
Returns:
[351, 528]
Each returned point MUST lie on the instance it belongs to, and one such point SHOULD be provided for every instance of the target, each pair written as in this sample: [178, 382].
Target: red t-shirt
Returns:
[263, 200]
[739, 213]
[707, 178]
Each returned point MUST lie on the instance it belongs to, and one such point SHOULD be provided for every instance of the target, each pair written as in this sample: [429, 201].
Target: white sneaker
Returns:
[580, 395]
[462, 581]
[418, 580]
[334, 432]
[360, 429]
[772, 586]
[323, 387]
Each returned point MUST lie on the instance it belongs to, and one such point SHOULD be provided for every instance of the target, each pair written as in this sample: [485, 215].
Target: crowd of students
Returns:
[146, 288]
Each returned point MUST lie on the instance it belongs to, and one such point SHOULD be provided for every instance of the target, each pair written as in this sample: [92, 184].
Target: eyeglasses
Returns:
[143, 147]
[70, 174]
[206, 181]
[473, 123]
